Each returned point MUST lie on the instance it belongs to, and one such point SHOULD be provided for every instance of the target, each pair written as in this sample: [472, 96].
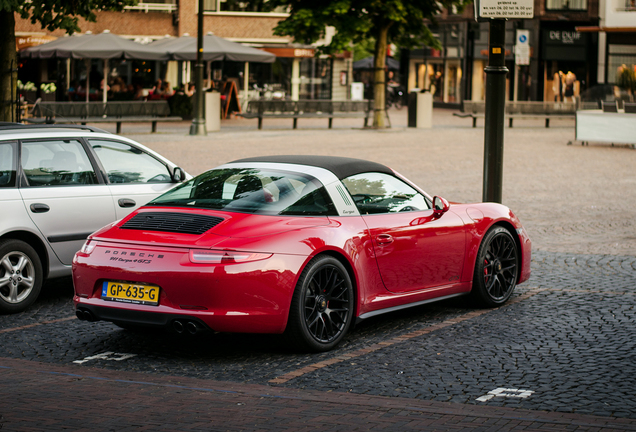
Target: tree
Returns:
[402, 22]
[51, 15]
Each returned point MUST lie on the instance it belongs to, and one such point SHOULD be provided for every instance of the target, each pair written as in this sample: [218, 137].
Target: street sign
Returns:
[504, 8]
[522, 48]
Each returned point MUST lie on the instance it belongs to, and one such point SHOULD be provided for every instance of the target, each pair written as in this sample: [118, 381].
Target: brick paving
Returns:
[51, 398]
[559, 356]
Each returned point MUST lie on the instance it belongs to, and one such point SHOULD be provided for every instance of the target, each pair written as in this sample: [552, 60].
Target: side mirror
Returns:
[440, 206]
[178, 175]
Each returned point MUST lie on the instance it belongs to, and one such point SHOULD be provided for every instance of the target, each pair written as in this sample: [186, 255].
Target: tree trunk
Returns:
[8, 67]
[379, 84]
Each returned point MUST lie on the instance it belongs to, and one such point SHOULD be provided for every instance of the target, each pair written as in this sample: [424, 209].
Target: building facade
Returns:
[562, 59]
[296, 74]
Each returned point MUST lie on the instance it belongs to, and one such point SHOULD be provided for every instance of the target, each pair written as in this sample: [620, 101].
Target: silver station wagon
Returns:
[58, 184]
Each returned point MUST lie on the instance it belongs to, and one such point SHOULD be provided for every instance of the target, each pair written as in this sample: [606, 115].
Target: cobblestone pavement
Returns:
[565, 341]
[560, 356]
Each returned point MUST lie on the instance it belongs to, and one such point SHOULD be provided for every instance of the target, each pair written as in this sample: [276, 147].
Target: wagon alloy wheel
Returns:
[496, 269]
[20, 275]
[322, 307]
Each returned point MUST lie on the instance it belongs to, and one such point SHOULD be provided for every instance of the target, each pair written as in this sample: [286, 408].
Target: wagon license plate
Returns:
[131, 293]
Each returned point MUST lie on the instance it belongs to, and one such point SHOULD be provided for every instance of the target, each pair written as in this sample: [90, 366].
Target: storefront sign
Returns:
[504, 9]
[522, 48]
[567, 45]
[291, 52]
[565, 37]
[23, 42]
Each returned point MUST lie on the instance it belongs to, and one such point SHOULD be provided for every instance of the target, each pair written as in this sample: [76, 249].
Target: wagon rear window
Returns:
[7, 165]
[252, 190]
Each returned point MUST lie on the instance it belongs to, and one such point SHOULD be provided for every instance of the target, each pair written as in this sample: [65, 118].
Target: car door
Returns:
[414, 249]
[134, 176]
[63, 194]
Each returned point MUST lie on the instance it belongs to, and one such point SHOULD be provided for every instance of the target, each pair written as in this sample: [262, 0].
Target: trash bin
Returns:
[212, 111]
[420, 110]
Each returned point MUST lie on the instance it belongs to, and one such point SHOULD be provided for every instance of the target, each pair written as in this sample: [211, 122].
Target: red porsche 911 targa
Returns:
[300, 245]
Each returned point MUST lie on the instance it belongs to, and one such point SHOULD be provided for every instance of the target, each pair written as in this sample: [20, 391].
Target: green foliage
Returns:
[357, 21]
[363, 49]
[56, 14]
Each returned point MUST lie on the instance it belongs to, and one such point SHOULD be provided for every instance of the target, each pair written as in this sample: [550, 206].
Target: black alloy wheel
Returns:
[322, 307]
[496, 268]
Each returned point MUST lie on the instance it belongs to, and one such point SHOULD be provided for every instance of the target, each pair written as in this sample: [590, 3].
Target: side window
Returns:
[56, 163]
[382, 193]
[7, 165]
[126, 164]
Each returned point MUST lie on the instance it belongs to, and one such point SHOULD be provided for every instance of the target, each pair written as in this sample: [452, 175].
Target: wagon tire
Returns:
[21, 276]
[496, 268]
[322, 306]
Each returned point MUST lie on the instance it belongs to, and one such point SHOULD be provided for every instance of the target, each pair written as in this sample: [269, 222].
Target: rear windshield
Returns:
[252, 190]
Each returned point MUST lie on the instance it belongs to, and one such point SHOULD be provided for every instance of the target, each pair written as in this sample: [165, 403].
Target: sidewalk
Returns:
[570, 198]
[44, 397]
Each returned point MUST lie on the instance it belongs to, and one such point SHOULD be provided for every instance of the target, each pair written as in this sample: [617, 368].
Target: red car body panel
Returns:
[386, 276]
[394, 259]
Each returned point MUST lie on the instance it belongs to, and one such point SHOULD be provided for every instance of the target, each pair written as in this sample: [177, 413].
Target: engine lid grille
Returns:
[172, 222]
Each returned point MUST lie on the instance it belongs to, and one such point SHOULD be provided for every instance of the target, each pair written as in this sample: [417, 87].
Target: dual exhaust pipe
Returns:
[184, 326]
[85, 315]
[179, 326]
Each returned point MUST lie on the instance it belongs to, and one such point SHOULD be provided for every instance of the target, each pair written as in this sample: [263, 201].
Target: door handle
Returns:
[126, 202]
[384, 239]
[39, 208]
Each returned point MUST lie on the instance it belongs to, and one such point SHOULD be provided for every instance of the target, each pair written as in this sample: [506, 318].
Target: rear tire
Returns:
[21, 276]
[322, 306]
[496, 268]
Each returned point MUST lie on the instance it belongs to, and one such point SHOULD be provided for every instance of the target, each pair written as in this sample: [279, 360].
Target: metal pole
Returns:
[496, 72]
[198, 123]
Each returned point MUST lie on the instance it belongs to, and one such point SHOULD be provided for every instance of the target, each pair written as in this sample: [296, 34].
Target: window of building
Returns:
[315, 78]
[154, 6]
[620, 59]
[253, 6]
[566, 4]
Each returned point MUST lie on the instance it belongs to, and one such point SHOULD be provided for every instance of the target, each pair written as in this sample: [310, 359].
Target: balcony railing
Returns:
[153, 7]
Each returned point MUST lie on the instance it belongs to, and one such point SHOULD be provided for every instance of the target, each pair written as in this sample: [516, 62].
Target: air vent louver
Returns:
[172, 222]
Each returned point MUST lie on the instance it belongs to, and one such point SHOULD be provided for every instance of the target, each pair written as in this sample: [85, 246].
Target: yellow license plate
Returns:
[131, 293]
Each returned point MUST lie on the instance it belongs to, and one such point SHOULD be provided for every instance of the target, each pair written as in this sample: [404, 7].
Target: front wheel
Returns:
[322, 307]
[496, 268]
[20, 276]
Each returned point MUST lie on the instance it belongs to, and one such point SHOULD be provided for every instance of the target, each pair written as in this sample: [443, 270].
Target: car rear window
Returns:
[251, 190]
[7, 164]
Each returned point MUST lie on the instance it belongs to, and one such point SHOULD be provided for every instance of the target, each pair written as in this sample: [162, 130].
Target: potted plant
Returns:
[48, 91]
[28, 91]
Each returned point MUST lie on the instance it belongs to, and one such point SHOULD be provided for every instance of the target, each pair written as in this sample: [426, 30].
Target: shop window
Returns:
[315, 78]
[566, 5]
[621, 64]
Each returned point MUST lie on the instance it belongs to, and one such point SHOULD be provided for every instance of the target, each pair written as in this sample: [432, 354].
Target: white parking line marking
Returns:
[108, 355]
[505, 392]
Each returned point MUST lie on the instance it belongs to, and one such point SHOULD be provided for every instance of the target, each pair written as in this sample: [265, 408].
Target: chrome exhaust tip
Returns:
[192, 327]
[177, 326]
